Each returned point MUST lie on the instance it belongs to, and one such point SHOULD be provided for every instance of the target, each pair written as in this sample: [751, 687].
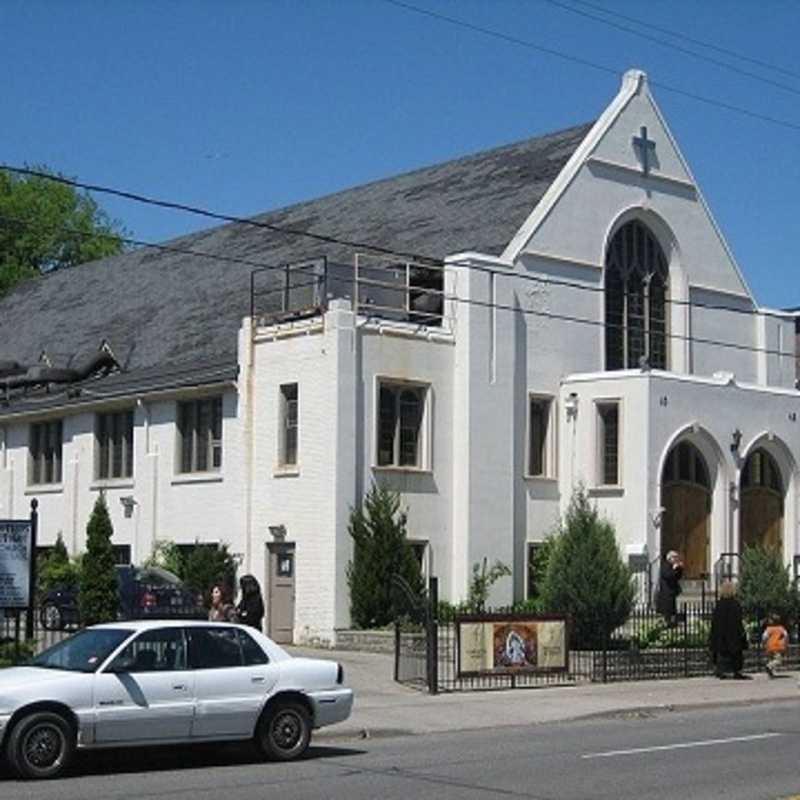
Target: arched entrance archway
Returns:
[686, 498]
[761, 504]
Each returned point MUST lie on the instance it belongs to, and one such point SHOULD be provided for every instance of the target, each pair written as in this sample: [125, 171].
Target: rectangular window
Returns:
[122, 554]
[608, 423]
[401, 411]
[420, 550]
[534, 570]
[200, 431]
[289, 422]
[114, 433]
[45, 452]
[539, 443]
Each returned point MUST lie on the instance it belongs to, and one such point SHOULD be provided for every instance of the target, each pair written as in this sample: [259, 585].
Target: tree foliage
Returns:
[206, 566]
[56, 568]
[46, 225]
[765, 586]
[98, 597]
[381, 550]
[481, 583]
[166, 555]
[586, 577]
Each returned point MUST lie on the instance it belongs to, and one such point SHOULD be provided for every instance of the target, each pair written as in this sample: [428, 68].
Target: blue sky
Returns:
[243, 106]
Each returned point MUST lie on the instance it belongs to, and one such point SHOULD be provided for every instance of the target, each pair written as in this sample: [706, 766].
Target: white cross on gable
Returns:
[645, 146]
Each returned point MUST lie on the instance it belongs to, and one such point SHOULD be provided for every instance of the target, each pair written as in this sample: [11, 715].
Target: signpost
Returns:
[18, 568]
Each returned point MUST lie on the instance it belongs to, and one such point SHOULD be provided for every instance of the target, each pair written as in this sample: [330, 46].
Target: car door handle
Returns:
[180, 687]
[258, 679]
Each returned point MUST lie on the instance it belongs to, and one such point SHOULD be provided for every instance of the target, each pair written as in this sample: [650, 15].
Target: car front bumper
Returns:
[331, 706]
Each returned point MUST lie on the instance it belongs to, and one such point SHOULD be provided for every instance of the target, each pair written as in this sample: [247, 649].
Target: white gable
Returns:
[605, 179]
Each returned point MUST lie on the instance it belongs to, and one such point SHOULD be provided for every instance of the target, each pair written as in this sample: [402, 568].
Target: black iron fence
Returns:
[12, 634]
[646, 647]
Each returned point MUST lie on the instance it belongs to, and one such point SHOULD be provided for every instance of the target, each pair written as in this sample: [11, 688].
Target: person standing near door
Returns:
[250, 610]
[728, 639]
[669, 586]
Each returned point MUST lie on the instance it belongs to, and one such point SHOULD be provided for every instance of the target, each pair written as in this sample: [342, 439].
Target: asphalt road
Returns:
[745, 753]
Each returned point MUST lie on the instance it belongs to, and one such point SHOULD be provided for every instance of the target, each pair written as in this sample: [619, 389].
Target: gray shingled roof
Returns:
[160, 309]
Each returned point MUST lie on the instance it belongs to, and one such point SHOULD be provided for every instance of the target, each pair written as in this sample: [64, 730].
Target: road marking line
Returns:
[682, 745]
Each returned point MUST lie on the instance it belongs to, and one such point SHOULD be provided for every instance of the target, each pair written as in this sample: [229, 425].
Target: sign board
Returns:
[503, 645]
[15, 563]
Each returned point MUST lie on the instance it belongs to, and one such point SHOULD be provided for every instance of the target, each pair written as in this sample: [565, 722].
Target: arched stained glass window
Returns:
[636, 298]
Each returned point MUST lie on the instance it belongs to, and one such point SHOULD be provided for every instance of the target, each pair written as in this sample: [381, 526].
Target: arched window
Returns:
[636, 293]
[762, 471]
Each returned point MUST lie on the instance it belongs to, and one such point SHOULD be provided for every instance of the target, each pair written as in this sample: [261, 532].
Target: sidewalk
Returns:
[384, 708]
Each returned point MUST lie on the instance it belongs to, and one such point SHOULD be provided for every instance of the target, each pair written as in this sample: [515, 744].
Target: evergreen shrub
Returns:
[586, 577]
[765, 586]
[98, 599]
[380, 550]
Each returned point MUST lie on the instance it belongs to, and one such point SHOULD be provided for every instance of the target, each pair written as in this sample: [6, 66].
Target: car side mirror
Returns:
[121, 665]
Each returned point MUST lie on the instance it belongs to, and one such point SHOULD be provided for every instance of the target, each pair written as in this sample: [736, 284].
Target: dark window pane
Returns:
[214, 648]
[387, 421]
[538, 440]
[609, 415]
[253, 654]
[410, 419]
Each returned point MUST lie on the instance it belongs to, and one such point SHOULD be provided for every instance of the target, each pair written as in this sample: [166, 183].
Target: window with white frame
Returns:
[608, 443]
[401, 417]
[114, 434]
[419, 549]
[200, 435]
[287, 446]
[45, 452]
[541, 461]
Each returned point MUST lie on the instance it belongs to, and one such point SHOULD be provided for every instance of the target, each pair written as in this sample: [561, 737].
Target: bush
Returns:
[381, 550]
[98, 598]
[765, 586]
[205, 566]
[586, 577]
[56, 569]
[166, 555]
[8, 652]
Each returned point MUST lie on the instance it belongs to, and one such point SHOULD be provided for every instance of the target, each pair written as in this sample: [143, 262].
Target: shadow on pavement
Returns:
[171, 758]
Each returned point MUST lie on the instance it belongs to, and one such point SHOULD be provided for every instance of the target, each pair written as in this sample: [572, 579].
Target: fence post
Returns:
[396, 650]
[432, 630]
[32, 572]
[605, 656]
[686, 612]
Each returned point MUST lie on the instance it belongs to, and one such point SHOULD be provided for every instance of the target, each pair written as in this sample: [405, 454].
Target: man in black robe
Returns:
[728, 639]
[669, 586]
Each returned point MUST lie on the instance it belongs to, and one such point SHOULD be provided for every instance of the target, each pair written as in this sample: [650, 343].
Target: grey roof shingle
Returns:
[157, 309]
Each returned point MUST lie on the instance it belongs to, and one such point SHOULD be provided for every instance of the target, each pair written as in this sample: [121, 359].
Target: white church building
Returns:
[483, 336]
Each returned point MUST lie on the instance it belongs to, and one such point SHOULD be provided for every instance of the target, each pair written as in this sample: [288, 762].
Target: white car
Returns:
[159, 682]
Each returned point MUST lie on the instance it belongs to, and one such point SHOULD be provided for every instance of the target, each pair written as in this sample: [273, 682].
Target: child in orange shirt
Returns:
[775, 640]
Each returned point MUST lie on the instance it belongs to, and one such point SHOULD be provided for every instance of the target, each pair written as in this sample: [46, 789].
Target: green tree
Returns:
[56, 568]
[381, 550]
[98, 597]
[765, 586]
[206, 566]
[586, 577]
[45, 225]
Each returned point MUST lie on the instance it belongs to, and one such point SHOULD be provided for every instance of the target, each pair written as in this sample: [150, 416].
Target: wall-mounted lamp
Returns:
[657, 517]
[278, 532]
[128, 502]
[571, 405]
[736, 440]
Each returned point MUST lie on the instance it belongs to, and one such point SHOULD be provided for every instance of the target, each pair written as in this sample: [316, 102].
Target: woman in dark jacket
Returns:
[250, 610]
[669, 586]
[728, 639]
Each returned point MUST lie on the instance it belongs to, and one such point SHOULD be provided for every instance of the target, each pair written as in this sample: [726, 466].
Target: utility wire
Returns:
[485, 304]
[672, 46]
[584, 62]
[420, 259]
[684, 37]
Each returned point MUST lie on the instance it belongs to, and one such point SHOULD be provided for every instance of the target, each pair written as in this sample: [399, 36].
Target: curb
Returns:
[643, 711]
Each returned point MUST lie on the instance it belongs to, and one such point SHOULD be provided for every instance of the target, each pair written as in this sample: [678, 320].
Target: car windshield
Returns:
[84, 652]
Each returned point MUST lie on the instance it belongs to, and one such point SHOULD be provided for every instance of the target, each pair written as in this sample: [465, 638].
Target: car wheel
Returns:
[41, 746]
[284, 732]
[51, 617]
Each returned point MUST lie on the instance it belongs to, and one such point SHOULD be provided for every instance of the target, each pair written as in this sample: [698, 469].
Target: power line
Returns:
[683, 36]
[418, 258]
[472, 301]
[584, 62]
[672, 46]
